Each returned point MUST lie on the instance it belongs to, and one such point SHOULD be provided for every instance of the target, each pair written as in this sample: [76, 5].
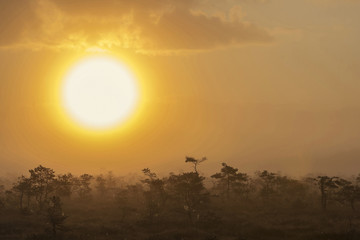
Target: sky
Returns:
[258, 84]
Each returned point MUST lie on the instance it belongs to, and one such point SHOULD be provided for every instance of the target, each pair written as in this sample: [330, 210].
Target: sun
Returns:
[99, 92]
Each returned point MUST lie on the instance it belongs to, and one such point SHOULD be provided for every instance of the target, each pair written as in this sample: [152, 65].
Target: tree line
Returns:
[189, 194]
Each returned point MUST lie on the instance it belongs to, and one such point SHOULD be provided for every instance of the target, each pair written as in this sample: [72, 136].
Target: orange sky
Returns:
[259, 84]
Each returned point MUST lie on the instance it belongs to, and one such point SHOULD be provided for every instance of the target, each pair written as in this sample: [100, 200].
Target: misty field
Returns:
[228, 204]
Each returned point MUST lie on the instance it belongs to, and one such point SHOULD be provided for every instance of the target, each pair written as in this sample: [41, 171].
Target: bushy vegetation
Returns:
[227, 205]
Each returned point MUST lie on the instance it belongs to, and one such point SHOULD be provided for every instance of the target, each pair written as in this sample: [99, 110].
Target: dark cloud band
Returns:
[142, 25]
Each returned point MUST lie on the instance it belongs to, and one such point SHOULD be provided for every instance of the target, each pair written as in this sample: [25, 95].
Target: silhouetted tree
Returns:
[63, 185]
[348, 192]
[195, 162]
[229, 176]
[357, 180]
[155, 196]
[268, 181]
[188, 188]
[101, 184]
[2, 199]
[242, 187]
[288, 190]
[110, 183]
[42, 180]
[24, 187]
[325, 184]
[82, 186]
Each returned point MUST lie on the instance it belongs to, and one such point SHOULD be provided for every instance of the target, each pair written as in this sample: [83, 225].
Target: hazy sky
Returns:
[259, 84]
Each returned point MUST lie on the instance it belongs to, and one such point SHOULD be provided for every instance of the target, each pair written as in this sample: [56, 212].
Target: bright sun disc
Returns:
[99, 92]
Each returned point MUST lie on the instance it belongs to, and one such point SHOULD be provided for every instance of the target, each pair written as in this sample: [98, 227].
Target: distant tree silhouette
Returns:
[288, 190]
[155, 196]
[243, 186]
[326, 185]
[348, 192]
[105, 185]
[42, 180]
[24, 187]
[82, 186]
[110, 183]
[101, 184]
[229, 176]
[268, 181]
[63, 185]
[2, 196]
[195, 162]
[357, 180]
[188, 190]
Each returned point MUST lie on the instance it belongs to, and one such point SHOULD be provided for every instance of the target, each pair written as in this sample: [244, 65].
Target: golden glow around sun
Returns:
[99, 93]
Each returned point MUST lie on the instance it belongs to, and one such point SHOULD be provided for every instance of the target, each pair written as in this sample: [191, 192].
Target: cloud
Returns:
[148, 26]
[186, 31]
